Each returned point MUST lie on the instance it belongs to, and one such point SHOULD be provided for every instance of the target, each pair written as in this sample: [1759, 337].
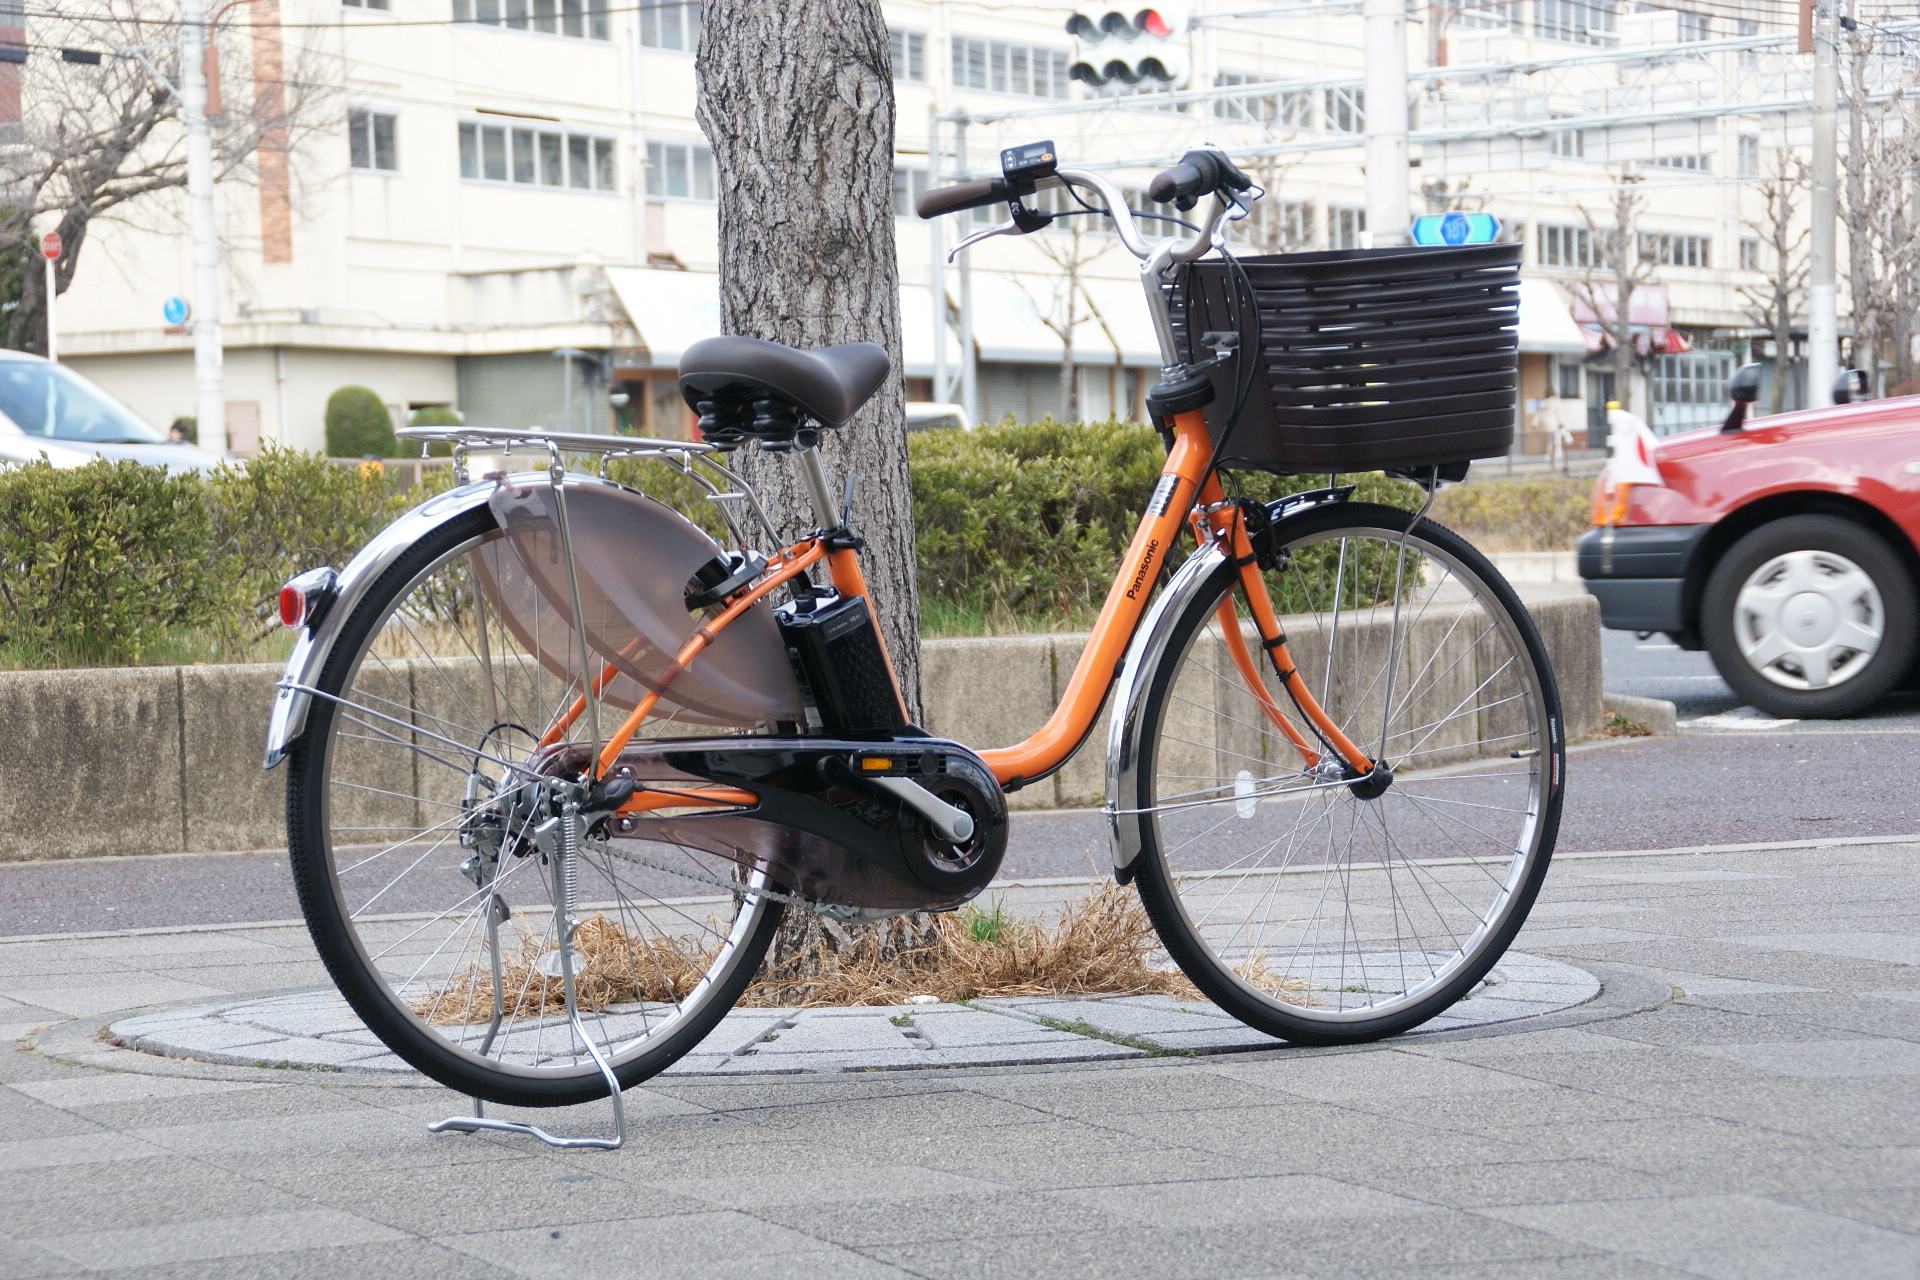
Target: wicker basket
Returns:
[1371, 359]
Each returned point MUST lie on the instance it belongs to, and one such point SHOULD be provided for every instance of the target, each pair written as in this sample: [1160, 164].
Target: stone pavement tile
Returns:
[749, 1095]
[1105, 1161]
[192, 1240]
[925, 1115]
[720, 1242]
[1071, 1255]
[861, 1224]
[1378, 1073]
[529, 1188]
[171, 1191]
[17, 1259]
[1695, 1233]
[1689, 1026]
[1168, 1085]
[1310, 1138]
[1891, 948]
[1848, 1013]
[92, 1090]
[1895, 1208]
[396, 1260]
[1147, 1018]
[751, 1190]
[26, 1118]
[1848, 1059]
[92, 1148]
[1507, 1115]
[94, 998]
[956, 1028]
[1860, 1111]
[1632, 1069]
[1225, 1202]
[823, 1062]
[341, 1124]
[1659, 1145]
[1525, 1181]
[1586, 1266]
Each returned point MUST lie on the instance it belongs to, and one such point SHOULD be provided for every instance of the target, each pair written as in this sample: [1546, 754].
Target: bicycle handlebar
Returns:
[965, 195]
[1199, 172]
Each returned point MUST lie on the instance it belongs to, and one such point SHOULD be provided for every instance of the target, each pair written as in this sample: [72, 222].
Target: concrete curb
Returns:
[1657, 714]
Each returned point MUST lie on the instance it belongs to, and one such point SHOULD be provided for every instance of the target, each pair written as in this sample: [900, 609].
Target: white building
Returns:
[505, 179]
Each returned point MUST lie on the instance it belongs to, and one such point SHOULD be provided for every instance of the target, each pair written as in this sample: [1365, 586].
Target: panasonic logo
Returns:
[1140, 574]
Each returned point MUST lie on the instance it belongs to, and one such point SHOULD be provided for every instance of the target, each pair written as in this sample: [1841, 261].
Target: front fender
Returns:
[315, 644]
[1129, 703]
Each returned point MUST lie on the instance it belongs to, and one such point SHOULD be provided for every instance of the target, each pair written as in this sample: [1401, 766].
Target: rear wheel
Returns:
[1313, 906]
[1810, 617]
[434, 914]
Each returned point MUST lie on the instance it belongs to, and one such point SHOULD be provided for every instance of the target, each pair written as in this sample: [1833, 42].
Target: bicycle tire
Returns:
[1214, 908]
[338, 908]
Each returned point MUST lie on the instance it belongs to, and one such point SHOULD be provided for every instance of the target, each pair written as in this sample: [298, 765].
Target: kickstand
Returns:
[564, 892]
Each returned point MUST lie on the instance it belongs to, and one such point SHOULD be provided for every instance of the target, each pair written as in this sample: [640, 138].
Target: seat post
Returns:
[817, 487]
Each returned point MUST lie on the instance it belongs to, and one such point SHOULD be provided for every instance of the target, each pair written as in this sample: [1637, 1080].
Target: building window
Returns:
[1693, 26]
[907, 186]
[1672, 250]
[1697, 378]
[1744, 27]
[679, 172]
[1562, 246]
[536, 157]
[370, 142]
[1257, 108]
[365, 4]
[1347, 110]
[1567, 380]
[1749, 155]
[1574, 21]
[1486, 13]
[1028, 70]
[909, 55]
[1749, 254]
[1697, 163]
[1345, 227]
[1569, 144]
[1279, 226]
[579, 19]
[670, 26]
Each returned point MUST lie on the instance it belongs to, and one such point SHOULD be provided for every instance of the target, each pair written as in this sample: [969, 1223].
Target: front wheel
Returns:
[1313, 906]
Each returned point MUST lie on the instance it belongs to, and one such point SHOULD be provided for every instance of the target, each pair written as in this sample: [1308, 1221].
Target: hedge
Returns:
[1018, 527]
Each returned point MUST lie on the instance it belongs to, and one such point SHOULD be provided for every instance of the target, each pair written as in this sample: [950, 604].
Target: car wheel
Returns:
[1810, 617]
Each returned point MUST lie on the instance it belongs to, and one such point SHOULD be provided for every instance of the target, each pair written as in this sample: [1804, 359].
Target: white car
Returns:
[47, 410]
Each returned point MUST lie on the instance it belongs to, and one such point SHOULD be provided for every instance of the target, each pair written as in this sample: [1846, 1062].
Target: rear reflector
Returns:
[293, 607]
[307, 596]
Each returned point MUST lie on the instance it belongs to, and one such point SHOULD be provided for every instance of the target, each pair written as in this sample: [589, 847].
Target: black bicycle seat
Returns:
[828, 383]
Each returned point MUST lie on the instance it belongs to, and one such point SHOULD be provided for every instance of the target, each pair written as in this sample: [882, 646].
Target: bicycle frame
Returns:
[1188, 492]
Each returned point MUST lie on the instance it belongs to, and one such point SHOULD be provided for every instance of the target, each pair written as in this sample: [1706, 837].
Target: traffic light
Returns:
[1116, 49]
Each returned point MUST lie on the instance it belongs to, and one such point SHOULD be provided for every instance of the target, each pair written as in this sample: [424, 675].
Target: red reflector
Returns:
[293, 606]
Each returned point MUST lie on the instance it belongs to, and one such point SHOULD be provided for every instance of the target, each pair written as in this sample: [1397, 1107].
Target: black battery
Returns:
[836, 652]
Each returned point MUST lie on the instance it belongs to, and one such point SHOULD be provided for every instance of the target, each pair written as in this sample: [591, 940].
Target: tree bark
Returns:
[796, 99]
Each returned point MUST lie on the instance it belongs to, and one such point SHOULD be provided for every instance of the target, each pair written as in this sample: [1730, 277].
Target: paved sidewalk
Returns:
[1739, 1101]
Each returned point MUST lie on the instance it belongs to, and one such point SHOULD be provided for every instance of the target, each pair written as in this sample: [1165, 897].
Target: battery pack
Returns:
[836, 652]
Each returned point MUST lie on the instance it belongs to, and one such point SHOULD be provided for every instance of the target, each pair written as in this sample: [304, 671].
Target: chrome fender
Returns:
[1149, 646]
[315, 643]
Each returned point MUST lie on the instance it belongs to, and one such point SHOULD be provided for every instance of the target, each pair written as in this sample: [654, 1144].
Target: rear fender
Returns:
[315, 643]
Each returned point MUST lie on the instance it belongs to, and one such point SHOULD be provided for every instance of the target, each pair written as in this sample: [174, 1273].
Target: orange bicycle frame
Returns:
[1187, 491]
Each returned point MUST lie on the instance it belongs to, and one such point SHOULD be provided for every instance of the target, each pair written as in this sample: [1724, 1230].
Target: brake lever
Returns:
[1007, 228]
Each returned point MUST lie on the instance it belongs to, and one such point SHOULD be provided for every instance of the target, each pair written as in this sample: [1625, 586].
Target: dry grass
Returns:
[1524, 513]
[1102, 944]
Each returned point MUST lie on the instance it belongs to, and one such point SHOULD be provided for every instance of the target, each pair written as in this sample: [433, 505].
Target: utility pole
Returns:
[208, 374]
[1388, 210]
[1823, 324]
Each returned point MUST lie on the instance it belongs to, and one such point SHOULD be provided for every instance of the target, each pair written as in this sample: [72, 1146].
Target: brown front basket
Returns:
[1370, 359]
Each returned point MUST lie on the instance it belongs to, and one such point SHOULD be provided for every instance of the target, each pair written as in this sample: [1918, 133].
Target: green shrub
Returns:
[283, 512]
[434, 415]
[1526, 513]
[358, 425]
[1023, 526]
[98, 563]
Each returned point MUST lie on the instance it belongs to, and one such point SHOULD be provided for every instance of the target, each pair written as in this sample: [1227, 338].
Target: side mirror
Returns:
[1743, 388]
[1849, 386]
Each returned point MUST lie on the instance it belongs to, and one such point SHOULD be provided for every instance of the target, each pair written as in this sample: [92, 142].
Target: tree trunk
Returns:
[796, 99]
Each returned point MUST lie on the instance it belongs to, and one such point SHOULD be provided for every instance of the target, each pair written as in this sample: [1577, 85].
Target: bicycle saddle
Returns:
[828, 383]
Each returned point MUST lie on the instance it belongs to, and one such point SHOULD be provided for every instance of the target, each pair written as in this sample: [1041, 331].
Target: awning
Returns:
[1546, 325]
[671, 310]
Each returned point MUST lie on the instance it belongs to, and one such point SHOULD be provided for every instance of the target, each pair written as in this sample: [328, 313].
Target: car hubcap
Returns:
[1808, 619]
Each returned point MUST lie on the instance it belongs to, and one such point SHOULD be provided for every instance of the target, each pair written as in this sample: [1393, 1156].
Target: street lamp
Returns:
[567, 355]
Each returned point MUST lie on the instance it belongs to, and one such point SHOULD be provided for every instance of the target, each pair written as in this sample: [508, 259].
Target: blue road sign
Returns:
[1456, 228]
[175, 310]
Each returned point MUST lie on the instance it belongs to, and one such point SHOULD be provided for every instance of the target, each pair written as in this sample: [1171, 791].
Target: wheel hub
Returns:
[1808, 619]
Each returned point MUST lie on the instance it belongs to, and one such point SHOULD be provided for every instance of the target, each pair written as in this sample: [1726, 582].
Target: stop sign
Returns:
[50, 245]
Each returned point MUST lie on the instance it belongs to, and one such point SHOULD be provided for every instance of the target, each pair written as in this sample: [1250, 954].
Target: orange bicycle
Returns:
[558, 761]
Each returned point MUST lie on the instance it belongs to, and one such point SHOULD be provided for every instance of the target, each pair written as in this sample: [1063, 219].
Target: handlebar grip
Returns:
[964, 195]
[1182, 182]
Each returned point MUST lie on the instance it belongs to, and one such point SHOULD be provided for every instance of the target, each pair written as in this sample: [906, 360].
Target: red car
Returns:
[1784, 546]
